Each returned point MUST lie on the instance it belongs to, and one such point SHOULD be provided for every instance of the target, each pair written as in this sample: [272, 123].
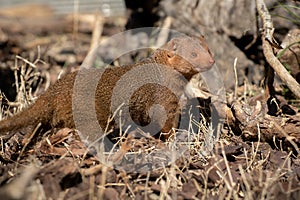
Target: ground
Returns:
[257, 155]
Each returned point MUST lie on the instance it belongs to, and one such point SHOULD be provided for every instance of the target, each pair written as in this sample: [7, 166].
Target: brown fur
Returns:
[54, 107]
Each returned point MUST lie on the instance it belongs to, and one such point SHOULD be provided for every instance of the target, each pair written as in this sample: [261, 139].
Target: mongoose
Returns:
[53, 109]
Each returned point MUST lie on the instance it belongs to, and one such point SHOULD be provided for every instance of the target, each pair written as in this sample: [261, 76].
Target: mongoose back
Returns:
[53, 109]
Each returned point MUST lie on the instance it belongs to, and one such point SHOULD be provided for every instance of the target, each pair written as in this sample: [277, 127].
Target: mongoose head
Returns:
[188, 55]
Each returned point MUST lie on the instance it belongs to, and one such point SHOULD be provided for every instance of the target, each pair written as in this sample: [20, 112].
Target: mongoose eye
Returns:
[194, 55]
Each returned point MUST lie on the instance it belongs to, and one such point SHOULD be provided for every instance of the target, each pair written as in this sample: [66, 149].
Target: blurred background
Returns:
[61, 32]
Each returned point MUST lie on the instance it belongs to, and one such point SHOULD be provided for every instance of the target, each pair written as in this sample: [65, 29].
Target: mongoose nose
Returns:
[212, 61]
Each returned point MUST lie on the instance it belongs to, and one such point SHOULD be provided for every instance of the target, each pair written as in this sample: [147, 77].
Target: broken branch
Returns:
[269, 41]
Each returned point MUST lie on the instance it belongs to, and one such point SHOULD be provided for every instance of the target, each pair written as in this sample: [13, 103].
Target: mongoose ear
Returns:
[172, 48]
[201, 38]
[170, 54]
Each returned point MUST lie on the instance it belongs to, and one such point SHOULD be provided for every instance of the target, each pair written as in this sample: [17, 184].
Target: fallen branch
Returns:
[268, 41]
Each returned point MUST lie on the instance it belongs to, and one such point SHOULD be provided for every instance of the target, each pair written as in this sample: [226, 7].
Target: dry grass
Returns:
[234, 170]
[27, 75]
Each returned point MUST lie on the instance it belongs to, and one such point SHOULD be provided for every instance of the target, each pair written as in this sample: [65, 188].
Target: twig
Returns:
[254, 153]
[26, 61]
[286, 135]
[147, 186]
[232, 183]
[92, 188]
[248, 192]
[32, 135]
[102, 182]
[75, 18]
[97, 31]
[94, 170]
[268, 41]
[236, 77]
[163, 35]
[280, 69]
